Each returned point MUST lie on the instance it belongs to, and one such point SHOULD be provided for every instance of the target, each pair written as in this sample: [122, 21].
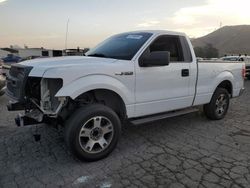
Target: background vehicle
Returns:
[11, 59]
[231, 58]
[241, 58]
[5, 69]
[247, 62]
[2, 85]
[136, 76]
[2, 79]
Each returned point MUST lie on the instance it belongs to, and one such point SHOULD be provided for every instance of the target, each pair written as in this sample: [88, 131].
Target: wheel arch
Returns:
[103, 84]
[93, 82]
[226, 84]
[108, 98]
[224, 80]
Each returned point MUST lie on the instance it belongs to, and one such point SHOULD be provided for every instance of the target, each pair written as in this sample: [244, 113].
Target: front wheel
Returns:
[218, 106]
[92, 132]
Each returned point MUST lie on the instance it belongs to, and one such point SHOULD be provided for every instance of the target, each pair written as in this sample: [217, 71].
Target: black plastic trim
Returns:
[16, 81]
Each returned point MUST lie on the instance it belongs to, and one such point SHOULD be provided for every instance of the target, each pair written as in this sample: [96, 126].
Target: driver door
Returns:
[163, 88]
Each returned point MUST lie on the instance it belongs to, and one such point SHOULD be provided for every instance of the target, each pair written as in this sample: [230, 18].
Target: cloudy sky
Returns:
[42, 23]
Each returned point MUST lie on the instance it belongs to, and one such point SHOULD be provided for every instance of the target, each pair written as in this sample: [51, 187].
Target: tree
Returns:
[208, 51]
[211, 52]
[199, 52]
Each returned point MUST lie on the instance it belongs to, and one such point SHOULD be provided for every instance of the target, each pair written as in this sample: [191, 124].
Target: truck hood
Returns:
[65, 61]
[40, 66]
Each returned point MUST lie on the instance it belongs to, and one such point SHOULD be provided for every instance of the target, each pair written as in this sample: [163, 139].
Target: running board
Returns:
[152, 118]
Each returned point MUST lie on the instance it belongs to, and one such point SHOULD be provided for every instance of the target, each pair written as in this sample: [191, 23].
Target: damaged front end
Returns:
[34, 95]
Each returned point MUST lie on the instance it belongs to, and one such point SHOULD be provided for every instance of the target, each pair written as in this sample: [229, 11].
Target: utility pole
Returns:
[66, 37]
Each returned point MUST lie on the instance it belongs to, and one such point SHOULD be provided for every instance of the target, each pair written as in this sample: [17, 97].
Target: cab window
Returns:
[171, 44]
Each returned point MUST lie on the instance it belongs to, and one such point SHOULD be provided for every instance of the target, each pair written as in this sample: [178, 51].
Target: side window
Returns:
[171, 44]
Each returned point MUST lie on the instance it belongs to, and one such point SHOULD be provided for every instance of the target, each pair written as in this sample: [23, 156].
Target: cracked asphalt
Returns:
[185, 151]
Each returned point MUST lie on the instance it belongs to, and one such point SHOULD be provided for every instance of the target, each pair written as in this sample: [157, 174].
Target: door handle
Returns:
[185, 72]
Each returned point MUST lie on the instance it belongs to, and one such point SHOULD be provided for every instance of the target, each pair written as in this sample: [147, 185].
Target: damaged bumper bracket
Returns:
[30, 118]
[14, 106]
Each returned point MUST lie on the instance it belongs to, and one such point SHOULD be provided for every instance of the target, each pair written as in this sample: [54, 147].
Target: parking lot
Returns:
[186, 151]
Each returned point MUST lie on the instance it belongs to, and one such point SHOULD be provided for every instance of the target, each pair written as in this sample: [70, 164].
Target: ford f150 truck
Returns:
[137, 76]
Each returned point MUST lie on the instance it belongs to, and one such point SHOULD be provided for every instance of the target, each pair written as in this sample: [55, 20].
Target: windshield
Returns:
[122, 46]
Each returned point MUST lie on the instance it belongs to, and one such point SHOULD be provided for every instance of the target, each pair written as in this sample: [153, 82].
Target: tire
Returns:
[218, 106]
[248, 77]
[92, 132]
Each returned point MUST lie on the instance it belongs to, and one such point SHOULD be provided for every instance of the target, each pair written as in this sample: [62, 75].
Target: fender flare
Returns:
[92, 82]
[223, 76]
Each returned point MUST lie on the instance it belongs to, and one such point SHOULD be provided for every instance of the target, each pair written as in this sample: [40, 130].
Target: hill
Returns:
[228, 40]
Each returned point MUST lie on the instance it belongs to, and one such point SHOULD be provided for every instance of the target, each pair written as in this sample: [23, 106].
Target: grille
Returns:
[16, 80]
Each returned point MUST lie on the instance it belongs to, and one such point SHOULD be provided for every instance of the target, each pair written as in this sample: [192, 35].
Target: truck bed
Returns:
[210, 76]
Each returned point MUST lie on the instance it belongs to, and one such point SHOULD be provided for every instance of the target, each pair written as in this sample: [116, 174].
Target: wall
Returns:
[23, 53]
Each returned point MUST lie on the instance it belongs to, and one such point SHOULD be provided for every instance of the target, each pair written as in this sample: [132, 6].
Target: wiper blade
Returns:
[97, 55]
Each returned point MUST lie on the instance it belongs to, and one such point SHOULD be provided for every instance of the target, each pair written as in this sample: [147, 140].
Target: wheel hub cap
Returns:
[96, 134]
[221, 104]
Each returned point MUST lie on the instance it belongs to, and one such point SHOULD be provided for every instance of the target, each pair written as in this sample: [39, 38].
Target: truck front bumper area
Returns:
[23, 120]
[34, 116]
[15, 106]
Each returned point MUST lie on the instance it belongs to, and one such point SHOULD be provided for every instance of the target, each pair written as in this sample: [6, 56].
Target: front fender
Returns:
[92, 82]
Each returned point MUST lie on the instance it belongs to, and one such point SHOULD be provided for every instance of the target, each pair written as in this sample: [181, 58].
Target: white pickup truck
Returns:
[136, 76]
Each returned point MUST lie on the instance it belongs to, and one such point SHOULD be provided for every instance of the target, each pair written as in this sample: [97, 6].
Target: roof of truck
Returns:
[159, 32]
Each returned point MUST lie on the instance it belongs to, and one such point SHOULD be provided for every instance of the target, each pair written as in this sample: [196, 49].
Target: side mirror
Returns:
[156, 58]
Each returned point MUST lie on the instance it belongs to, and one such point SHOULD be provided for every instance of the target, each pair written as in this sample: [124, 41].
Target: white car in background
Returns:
[242, 58]
[247, 62]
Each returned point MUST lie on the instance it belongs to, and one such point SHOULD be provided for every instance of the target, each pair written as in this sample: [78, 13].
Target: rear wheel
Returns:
[92, 132]
[218, 106]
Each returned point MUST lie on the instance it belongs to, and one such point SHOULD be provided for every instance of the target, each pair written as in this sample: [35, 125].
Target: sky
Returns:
[42, 23]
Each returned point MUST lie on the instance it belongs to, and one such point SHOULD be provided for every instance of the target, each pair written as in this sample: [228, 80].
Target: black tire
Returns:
[248, 77]
[213, 110]
[81, 121]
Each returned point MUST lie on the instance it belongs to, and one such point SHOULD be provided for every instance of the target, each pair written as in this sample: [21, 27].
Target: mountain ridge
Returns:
[228, 40]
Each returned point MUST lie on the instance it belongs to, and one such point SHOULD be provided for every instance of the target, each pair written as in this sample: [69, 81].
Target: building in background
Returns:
[29, 53]
[75, 52]
[38, 52]
[4, 52]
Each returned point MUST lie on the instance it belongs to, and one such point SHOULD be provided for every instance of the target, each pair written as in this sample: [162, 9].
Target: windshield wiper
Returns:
[97, 55]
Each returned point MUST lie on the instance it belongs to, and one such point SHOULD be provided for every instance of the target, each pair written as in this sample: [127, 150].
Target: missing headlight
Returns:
[49, 88]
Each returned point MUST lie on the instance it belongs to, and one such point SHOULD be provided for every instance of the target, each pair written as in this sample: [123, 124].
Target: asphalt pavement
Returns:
[185, 151]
